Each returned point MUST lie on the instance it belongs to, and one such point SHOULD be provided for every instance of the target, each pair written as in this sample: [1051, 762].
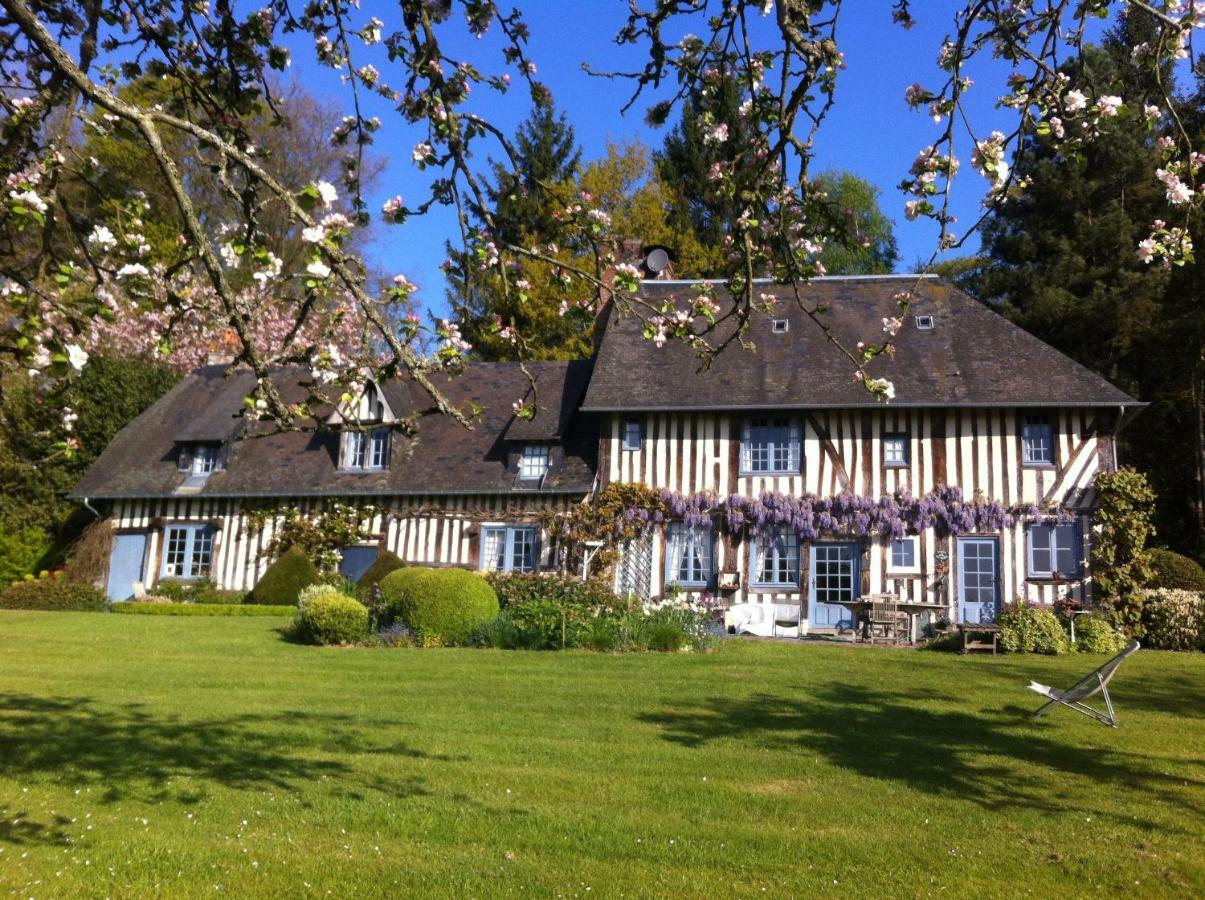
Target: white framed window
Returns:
[775, 558]
[895, 449]
[688, 555]
[904, 555]
[1054, 551]
[533, 462]
[366, 450]
[770, 446]
[187, 551]
[204, 459]
[633, 434]
[1037, 442]
[509, 548]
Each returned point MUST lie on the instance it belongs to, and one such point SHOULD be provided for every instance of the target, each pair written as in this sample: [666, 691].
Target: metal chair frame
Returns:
[1094, 683]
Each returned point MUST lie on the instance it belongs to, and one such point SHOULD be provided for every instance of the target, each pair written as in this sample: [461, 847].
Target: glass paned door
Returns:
[832, 576]
[978, 582]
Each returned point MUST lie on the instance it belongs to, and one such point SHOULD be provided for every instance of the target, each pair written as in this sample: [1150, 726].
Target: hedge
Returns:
[1175, 572]
[200, 609]
[442, 607]
[203, 590]
[515, 589]
[284, 579]
[53, 592]
[1174, 620]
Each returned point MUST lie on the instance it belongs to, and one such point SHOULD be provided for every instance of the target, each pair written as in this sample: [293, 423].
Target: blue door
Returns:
[833, 576]
[978, 582]
[125, 565]
[356, 561]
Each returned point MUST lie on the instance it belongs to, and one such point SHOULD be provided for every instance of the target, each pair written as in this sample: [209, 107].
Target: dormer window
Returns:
[366, 451]
[533, 462]
[198, 461]
[204, 459]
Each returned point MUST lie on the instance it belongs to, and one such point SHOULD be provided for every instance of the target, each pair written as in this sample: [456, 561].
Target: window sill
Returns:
[774, 472]
[786, 588]
[689, 585]
[1050, 466]
[1051, 579]
[363, 471]
[895, 465]
[903, 573]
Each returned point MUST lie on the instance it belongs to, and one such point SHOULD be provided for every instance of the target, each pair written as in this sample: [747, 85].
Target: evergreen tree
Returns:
[527, 196]
[863, 242]
[1061, 260]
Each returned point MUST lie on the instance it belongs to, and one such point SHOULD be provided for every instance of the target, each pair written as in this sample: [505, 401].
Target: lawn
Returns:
[160, 756]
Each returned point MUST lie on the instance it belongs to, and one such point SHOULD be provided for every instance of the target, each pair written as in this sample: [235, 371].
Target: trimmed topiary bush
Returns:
[1174, 620]
[53, 592]
[385, 563]
[442, 607]
[333, 619]
[1175, 572]
[314, 591]
[1097, 636]
[284, 579]
[1031, 629]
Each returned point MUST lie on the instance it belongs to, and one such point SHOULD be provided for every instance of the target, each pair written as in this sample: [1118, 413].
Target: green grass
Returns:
[148, 756]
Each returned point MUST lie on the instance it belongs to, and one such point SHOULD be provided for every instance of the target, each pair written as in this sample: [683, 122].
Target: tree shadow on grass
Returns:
[995, 759]
[129, 752]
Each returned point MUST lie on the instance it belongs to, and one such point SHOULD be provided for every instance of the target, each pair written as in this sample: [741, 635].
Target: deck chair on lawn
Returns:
[1097, 682]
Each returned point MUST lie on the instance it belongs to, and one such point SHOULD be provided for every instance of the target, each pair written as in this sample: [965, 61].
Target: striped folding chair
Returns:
[1096, 682]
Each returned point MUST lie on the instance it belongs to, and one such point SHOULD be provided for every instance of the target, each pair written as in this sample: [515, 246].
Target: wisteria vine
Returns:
[944, 509]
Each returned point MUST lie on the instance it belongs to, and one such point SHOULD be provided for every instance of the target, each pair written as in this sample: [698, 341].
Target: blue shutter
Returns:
[795, 456]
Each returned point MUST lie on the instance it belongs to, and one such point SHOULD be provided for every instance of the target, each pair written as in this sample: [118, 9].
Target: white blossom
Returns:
[77, 356]
[133, 269]
[327, 192]
[318, 269]
[313, 235]
[102, 238]
[1074, 101]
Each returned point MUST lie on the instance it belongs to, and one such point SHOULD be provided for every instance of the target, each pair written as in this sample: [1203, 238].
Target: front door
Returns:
[978, 584]
[832, 576]
[125, 565]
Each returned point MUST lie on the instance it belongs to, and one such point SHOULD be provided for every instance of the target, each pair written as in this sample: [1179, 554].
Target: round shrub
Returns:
[443, 607]
[1097, 636]
[284, 579]
[53, 592]
[1176, 572]
[314, 591]
[1175, 620]
[1030, 629]
[385, 563]
[333, 619]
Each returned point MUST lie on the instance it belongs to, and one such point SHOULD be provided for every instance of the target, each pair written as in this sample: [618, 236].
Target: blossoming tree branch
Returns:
[72, 269]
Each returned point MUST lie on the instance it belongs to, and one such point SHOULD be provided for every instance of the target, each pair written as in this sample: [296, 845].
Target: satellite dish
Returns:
[657, 260]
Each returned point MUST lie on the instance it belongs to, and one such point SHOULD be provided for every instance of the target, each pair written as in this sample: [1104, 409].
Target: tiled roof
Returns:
[971, 357]
[442, 458]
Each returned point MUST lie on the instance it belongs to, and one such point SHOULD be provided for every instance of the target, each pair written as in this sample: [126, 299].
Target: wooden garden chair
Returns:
[1096, 682]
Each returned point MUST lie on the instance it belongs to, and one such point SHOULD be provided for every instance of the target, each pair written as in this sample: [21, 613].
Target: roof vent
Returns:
[779, 326]
[925, 323]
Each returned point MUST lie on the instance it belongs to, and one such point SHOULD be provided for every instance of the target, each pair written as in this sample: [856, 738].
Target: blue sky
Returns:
[870, 131]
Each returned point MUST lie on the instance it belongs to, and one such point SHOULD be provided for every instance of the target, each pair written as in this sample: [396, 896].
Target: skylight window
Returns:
[779, 326]
[925, 323]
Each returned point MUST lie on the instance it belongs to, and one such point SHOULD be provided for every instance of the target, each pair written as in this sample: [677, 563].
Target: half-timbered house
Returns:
[983, 416]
